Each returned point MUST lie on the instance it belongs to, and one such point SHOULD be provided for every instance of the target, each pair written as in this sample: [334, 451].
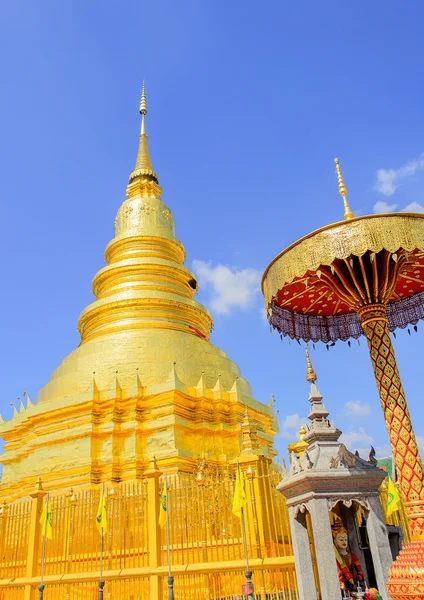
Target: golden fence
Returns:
[206, 542]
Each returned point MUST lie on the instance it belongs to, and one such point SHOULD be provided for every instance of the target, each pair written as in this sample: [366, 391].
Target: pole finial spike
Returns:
[348, 214]
[143, 167]
[143, 101]
[310, 373]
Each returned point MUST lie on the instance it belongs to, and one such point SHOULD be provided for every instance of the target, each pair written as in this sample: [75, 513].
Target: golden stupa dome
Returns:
[145, 380]
[144, 317]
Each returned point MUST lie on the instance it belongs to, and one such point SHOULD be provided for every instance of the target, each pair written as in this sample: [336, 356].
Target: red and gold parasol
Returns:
[360, 276]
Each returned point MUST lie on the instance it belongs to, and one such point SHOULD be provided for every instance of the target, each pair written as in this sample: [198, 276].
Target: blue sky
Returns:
[248, 106]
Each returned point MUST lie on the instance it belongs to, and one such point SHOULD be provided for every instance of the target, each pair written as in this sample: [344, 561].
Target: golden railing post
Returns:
[255, 511]
[154, 535]
[3, 514]
[201, 483]
[251, 475]
[261, 490]
[71, 501]
[34, 536]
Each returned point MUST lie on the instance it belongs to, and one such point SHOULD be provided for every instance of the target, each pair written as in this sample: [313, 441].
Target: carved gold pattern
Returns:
[397, 418]
[341, 240]
[406, 575]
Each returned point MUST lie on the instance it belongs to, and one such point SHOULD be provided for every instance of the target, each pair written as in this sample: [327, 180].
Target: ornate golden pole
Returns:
[396, 414]
[70, 506]
[43, 551]
[201, 483]
[154, 533]
[102, 536]
[3, 523]
[34, 536]
[168, 543]
[250, 474]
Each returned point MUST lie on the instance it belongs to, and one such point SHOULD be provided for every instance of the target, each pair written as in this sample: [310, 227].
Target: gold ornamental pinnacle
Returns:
[143, 101]
[143, 168]
[143, 109]
[348, 214]
[310, 373]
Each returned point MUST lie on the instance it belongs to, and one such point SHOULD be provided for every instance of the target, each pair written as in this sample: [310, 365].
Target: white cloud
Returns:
[420, 442]
[290, 426]
[231, 288]
[357, 440]
[383, 451]
[388, 179]
[384, 207]
[262, 312]
[357, 409]
[414, 207]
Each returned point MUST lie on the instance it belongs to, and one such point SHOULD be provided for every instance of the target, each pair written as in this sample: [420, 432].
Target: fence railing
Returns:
[206, 542]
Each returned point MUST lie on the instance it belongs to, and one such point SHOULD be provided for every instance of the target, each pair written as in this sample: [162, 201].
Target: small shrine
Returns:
[340, 539]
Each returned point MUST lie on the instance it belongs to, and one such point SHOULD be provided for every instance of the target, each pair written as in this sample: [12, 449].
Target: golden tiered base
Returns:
[406, 576]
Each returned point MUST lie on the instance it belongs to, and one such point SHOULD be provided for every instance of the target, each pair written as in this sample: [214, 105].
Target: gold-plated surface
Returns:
[145, 391]
[206, 542]
[145, 379]
[300, 446]
[341, 240]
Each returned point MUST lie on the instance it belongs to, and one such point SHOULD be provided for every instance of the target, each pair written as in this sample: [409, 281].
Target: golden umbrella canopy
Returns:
[314, 289]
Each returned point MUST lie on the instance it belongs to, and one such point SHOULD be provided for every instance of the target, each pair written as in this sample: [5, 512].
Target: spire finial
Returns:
[310, 373]
[143, 109]
[348, 214]
[143, 101]
[143, 166]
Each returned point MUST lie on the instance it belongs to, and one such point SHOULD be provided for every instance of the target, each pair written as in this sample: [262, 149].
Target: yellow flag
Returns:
[239, 500]
[101, 518]
[392, 498]
[163, 506]
[46, 519]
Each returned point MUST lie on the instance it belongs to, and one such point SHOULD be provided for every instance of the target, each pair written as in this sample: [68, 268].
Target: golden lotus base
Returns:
[406, 575]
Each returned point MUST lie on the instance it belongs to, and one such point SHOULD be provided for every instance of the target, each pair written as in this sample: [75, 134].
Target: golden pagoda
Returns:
[145, 392]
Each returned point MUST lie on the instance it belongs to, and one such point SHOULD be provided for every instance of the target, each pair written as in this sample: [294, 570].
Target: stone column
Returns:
[324, 549]
[379, 544]
[302, 556]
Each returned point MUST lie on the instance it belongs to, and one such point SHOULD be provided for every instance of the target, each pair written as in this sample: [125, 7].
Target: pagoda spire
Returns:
[319, 427]
[315, 397]
[348, 214]
[310, 373]
[143, 166]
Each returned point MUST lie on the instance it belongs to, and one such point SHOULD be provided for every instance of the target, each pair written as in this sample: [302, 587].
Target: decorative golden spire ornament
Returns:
[310, 373]
[143, 166]
[143, 108]
[300, 446]
[348, 214]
